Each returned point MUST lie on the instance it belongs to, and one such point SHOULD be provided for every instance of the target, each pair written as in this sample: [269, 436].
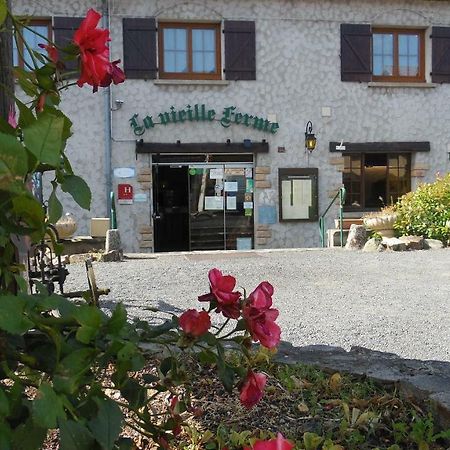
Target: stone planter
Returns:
[383, 224]
[66, 226]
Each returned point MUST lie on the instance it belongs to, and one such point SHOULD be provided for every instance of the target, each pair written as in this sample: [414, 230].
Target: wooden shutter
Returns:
[63, 30]
[139, 48]
[240, 50]
[440, 72]
[356, 52]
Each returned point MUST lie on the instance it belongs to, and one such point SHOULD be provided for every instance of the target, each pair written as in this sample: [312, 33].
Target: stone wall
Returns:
[298, 79]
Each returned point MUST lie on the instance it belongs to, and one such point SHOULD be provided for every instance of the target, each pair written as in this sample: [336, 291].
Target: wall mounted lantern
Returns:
[310, 137]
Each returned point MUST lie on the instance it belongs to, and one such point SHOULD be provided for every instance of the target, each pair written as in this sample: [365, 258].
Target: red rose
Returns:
[96, 69]
[222, 291]
[252, 389]
[195, 323]
[275, 444]
[260, 317]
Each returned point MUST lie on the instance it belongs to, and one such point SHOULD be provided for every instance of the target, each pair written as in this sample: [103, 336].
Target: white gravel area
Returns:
[393, 302]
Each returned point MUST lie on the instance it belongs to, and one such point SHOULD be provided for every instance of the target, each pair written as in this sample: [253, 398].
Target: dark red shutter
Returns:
[356, 52]
[240, 50]
[440, 71]
[63, 30]
[139, 48]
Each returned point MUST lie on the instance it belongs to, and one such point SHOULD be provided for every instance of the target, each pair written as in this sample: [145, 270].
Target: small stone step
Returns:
[334, 237]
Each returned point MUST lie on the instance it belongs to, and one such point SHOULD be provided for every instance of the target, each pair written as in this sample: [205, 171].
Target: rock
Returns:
[79, 258]
[412, 242]
[373, 245]
[432, 244]
[394, 244]
[112, 256]
[113, 241]
[357, 237]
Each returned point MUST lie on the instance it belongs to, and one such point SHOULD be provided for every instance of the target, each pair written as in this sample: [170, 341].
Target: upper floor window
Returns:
[29, 40]
[398, 55]
[189, 51]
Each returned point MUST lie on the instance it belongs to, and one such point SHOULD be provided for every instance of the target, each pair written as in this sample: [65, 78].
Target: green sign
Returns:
[199, 113]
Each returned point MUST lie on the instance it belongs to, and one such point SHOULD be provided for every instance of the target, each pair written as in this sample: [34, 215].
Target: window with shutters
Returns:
[373, 180]
[189, 51]
[29, 40]
[398, 55]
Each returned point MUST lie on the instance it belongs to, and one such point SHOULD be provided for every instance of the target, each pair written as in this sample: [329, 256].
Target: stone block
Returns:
[421, 166]
[146, 244]
[113, 241]
[263, 234]
[145, 186]
[145, 171]
[262, 227]
[440, 405]
[373, 245]
[262, 241]
[262, 169]
[112, 256]
[432, 244]
[418, 173]
[146, 236]
[357, 237]
[263, 184]
[394, 244]
[260, 177]
[336, 161]
[144, 178]
[412, 242]
[145, 229]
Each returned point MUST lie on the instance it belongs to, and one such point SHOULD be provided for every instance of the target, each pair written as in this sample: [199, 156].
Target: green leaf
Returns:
[26, 81]
[13, 156]
[88, 315]
[47, 408]
[4, 404]
[74, 436]
[30, 210]
[3, 11]
[12, 318]
[44, 138]
[226, 374]
[78, 189]
[117, 321]
[311, 441]
[106, 426]
[28, 436]
[26, 116]
[85, 334]
[135, 394]
[5, 436]
[55, 208]
[207, 357]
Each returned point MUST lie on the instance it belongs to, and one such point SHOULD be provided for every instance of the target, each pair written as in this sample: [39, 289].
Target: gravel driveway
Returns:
[393, 302]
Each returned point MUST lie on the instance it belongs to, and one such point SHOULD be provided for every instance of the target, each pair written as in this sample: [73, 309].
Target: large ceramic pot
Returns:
[66, 226]
[383, 224]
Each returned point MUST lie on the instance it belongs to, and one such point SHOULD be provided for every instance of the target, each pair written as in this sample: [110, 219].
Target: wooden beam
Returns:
[381, 147]
[202, 147]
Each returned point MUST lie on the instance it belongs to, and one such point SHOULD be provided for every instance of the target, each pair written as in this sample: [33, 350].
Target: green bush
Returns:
[426, 211]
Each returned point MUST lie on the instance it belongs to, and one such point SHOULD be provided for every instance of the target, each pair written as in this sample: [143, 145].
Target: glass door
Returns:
[206, 207]
[221, 206]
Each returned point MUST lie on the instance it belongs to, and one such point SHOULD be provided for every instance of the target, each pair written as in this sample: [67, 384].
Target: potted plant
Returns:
[382, 221]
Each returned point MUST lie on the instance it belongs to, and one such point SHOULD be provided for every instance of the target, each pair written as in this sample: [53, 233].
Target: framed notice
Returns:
[298, 194]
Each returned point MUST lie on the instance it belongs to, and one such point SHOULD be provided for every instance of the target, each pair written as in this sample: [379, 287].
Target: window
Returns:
[398, 55]
[21, 55]
[189, 51]
[373, 180]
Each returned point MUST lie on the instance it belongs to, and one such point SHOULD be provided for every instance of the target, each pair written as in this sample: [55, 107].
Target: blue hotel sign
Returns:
[200, 113]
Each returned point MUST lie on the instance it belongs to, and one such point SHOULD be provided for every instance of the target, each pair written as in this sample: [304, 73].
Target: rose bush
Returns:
[69, 366]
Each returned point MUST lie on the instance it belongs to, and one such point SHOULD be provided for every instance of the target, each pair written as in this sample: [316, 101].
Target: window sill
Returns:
[400, 84]
[191, 82]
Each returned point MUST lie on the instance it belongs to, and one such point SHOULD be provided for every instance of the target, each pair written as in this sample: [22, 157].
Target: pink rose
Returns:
[260, 317]
[252, 389]
[195, 323]
[275, 444]
[222, 291]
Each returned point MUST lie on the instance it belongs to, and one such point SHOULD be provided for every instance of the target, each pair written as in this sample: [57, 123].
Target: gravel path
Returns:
[394, 302]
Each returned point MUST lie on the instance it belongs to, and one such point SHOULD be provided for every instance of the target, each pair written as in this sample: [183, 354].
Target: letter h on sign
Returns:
[125, 194]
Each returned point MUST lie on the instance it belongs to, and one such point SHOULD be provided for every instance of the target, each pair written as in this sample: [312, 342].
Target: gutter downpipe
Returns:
[107, 123]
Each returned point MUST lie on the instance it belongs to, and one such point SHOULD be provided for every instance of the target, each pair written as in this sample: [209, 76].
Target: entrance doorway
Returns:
[203, 206]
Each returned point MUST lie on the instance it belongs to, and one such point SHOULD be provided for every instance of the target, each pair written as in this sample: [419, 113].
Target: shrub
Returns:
[426, 211]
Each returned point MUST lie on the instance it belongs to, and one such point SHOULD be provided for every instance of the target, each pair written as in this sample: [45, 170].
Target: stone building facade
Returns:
[204, 140]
